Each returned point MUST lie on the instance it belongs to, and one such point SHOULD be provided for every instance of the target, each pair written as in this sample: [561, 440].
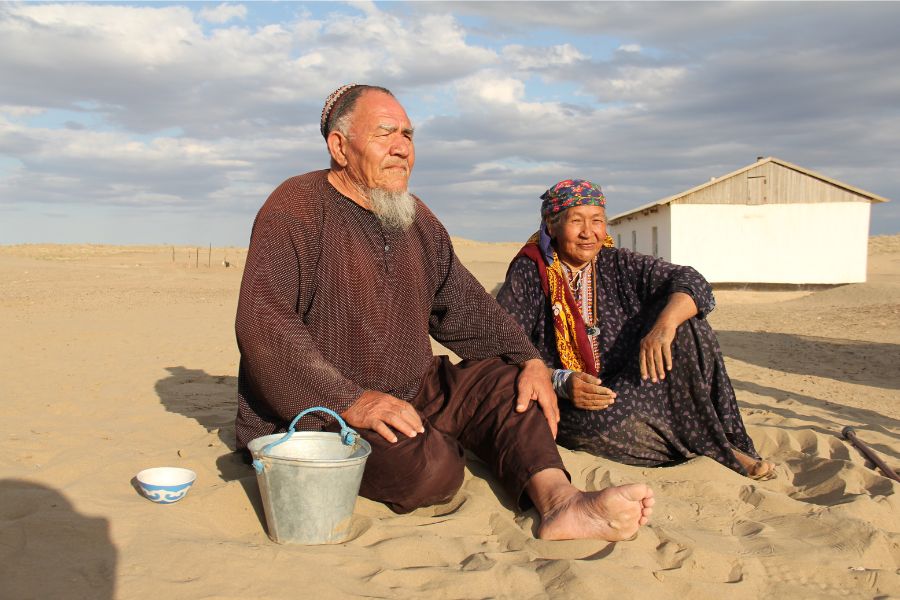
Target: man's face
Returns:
[380, 153]
[580, 233]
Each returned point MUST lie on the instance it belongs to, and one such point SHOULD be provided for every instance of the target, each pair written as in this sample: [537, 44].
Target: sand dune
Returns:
[120, 358]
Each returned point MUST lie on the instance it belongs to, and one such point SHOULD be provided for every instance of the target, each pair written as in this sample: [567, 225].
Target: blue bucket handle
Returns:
[348, 435]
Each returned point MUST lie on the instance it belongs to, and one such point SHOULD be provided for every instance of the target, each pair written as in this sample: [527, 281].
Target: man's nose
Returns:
[401, 147]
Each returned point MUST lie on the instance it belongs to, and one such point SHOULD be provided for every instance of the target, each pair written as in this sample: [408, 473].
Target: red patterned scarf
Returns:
[572, 341]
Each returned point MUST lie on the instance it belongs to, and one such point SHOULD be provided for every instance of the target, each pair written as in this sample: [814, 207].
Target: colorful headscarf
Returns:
[329, 105]
[569, 193]
[563, 195]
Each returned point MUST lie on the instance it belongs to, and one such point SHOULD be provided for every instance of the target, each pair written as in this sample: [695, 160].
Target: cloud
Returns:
[202, 109]
[68, 167]
[150, 69]
[224, 13]
[381, 46]
[528, 58]
[20, 111]
[496, 90]
[637, 83]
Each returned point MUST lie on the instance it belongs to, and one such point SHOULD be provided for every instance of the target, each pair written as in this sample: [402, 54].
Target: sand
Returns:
[115, 359]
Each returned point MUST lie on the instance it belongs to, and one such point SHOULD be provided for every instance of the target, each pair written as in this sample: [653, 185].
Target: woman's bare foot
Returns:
[567, 513]
[756, 468]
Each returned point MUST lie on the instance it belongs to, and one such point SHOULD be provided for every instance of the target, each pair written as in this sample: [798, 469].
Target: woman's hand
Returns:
[587, 393]
[656, 352]
[656, 348]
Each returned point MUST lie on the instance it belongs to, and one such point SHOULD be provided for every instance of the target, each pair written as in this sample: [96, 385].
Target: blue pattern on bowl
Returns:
[166, 494]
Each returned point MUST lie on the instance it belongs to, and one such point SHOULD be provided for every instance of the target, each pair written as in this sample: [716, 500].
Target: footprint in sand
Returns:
[692, 561]
[828, 482]
[670, 551]
[816, 444]
[671, 554]
[833, 582]
[749, 529]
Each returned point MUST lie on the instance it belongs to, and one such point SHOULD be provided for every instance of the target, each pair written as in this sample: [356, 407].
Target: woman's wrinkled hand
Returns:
[656, 352]
[587, 393]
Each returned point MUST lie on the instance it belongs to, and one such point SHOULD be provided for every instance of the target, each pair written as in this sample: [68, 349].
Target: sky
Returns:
[171, 122]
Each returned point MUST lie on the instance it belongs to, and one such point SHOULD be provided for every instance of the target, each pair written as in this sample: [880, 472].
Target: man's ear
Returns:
[337, 147]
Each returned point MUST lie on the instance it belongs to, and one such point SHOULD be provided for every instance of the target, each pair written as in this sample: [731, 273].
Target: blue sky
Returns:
[171, 122]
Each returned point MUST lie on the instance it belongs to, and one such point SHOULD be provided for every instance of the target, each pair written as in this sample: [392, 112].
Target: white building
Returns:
[769, 222]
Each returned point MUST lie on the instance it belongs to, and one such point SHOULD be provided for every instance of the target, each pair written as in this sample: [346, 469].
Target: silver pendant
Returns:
[593, 331]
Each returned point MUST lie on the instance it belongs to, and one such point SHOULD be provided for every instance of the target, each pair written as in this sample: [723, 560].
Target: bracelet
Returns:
[560, 379]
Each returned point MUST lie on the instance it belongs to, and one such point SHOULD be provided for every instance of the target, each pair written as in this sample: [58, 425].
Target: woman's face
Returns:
[579, 234]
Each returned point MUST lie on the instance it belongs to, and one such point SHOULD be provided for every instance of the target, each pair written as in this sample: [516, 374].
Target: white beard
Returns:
[395, 210]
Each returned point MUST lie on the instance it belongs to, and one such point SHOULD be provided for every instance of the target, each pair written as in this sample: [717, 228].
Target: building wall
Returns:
[641, 225]
[773, 243]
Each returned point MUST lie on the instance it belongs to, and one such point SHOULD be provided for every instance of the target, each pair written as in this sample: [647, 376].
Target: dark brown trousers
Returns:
[469, 406]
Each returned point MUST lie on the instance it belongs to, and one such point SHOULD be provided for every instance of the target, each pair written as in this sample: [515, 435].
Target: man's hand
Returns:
[587, 393]
[379, 412]
[656, 352]
[534, 385]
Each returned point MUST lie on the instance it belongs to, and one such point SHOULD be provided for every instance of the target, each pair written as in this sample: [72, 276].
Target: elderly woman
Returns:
[637, 368]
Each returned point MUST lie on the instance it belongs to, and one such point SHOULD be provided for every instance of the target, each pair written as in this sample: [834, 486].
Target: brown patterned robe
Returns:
[332, 304]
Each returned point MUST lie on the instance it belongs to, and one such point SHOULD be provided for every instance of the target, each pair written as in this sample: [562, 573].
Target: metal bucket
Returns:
[309, 481]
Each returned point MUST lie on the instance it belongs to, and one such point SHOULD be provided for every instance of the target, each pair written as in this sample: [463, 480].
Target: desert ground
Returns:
[115, 359]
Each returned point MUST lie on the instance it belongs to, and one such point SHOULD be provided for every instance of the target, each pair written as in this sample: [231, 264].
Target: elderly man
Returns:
[346, 277]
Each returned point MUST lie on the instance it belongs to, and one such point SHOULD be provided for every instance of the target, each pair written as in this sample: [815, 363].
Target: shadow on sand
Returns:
[866, 420]
[864, 363]
[211, 400]
[48, 549]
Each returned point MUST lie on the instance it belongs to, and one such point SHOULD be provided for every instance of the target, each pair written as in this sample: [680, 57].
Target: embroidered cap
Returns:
[329, 105]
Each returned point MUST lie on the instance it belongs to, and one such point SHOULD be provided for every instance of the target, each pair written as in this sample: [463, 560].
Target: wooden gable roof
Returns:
[790, 183]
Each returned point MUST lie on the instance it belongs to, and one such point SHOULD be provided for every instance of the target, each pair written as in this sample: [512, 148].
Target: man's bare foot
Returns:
[567, 513]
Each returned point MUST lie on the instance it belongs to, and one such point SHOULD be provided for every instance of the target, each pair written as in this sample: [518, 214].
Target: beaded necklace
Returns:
[581, 283]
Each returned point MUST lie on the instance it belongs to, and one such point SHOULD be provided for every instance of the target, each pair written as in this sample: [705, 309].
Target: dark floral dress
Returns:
[692, 412]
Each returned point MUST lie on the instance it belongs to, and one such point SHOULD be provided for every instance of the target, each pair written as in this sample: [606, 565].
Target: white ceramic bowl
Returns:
[165, 485]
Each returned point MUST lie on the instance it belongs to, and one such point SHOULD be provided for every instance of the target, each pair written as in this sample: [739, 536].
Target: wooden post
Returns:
[197, 261]
[849, 434]
[209, 256]
[173, 253]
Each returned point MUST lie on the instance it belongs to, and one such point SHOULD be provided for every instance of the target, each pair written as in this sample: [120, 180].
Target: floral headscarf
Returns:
[569, 193]
[564, 195]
